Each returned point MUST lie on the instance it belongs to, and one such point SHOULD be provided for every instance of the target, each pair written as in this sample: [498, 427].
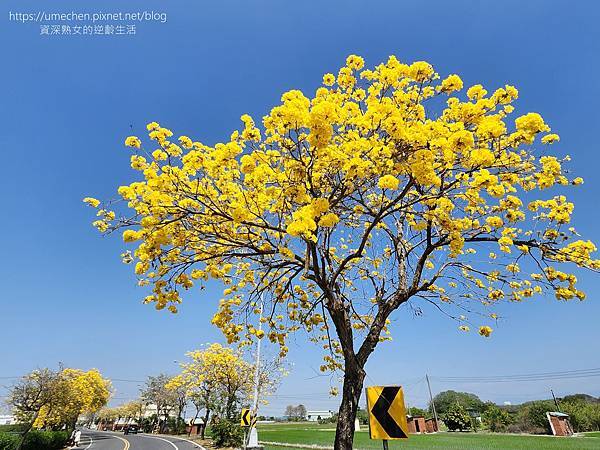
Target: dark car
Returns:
[131, 429]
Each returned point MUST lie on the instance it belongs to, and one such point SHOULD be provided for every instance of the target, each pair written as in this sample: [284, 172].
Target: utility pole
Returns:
[432, 404]
[253, 435]
[555, 401]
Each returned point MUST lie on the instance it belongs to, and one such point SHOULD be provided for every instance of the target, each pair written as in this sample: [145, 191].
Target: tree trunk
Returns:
[206, 416]
[353, 383]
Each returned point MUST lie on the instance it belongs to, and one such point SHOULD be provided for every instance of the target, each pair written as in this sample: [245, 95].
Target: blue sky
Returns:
[69, 101]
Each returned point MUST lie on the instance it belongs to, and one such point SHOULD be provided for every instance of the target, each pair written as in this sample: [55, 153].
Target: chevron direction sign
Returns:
[247, 419]
[387, 415]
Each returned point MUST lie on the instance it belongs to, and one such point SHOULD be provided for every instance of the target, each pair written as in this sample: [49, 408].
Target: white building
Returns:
[7, 420]
[314, 416]
[151, 409]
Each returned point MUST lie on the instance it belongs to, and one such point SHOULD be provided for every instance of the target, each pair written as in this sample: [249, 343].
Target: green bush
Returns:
[226, 433]
[457, 418]
[584, 416]
[35, 440]
[414, 411]
[496, 419]
[532, 417]
[45, 440]
[444, 401]
[332, 419]
[8, 441]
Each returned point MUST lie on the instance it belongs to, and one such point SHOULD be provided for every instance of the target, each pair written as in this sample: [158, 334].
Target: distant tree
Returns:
[162, 397]
[76, 392]
[363, 416]
[584, 414]
[496, 419]
[580, 397]
[289, 411]
[55, 399]
[444, 400]
[182, 399]
[293, 412]
[30, 395]
[220, 381]
[203, 399]
[456, 418]
[414, 411]
[301, 409]
[532, 416]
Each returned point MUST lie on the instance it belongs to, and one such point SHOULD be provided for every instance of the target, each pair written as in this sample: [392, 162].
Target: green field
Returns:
[307, 434]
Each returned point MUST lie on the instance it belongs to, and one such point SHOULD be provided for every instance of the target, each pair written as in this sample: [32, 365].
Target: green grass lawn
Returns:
[303, 433]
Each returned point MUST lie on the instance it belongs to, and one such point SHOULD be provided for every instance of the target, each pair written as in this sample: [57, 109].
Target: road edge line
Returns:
[177, 437]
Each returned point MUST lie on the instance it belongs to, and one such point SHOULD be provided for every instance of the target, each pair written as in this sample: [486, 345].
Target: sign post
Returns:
[387, 413]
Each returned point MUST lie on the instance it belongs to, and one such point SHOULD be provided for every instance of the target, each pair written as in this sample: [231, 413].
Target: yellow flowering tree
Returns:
[218, 378]
[377, 190]
[76, 392]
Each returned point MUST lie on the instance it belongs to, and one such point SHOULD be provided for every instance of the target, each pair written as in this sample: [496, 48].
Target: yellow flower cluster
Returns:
[370, 190]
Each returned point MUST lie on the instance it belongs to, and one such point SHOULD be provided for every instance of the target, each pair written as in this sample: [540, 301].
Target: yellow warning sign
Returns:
[247, 419]
[387, 414]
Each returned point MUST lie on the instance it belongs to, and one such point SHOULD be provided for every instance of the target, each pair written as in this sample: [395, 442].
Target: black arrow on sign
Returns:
[245, 417]
[380, 411]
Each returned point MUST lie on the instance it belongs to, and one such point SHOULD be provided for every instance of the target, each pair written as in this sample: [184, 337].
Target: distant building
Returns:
[7, 420]
[315, 416]
[431, 425]
[416, 424]
[194, 426]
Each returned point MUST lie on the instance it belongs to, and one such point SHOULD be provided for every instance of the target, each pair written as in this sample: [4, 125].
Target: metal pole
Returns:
[253, 434]
[432, 403]
[555, 401]
[257, 369]
[385, 444]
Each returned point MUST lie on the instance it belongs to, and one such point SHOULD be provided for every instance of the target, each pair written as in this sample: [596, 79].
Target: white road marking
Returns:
[112, 434]
[195, 444]
[191, 442]
[161, 439]
[90, 444]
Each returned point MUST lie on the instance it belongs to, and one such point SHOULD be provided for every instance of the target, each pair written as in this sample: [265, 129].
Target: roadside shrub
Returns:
[147, 424]
[226, 433]
[457, 418]
[176, 425]
[8, 441]
[45, 440]
[35, 440]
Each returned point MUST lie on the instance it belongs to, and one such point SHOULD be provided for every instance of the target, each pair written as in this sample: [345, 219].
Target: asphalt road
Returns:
[96, 440]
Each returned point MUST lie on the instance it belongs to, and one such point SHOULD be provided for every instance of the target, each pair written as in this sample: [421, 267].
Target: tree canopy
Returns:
[388, 185]
[355, 200]
[469, 401]
[52, 399]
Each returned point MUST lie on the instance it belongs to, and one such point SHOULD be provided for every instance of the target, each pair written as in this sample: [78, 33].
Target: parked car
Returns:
[131, 429]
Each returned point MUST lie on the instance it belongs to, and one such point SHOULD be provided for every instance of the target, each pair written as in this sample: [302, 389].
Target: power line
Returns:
[562, 375]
